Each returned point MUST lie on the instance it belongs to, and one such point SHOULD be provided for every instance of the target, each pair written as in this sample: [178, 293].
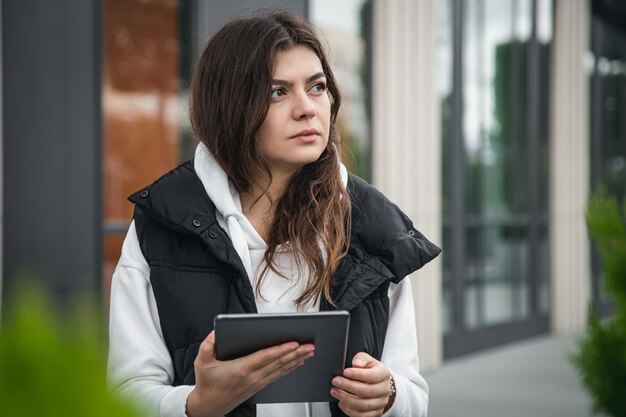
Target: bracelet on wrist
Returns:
[392, 394]
[392, 387]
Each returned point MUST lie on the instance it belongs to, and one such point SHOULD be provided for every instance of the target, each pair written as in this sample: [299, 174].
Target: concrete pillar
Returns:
[569, 168]
[407, 143]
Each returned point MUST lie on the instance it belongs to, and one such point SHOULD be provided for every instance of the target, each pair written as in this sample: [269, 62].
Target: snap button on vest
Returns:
[411, 233]
[144, 193]
[212, 234]
[196, 223]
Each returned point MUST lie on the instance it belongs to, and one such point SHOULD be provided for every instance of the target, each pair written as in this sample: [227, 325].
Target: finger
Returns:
[287, 362]
[282, 368]
[267, 356]
[363, 360]
[355, 403]
[362, 389]
[268, 360]
[277, 363]
[206, 352]
[372, 375]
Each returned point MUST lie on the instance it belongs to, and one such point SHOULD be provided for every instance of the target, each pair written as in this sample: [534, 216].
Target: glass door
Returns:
[495, 56]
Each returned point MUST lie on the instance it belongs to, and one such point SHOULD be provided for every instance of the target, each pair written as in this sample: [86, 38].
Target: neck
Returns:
[259, 206]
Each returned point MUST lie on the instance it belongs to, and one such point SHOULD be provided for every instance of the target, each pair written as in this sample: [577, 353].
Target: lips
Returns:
[305, 133]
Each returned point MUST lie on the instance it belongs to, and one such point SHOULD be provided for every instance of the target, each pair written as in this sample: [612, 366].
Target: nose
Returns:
[304, 107]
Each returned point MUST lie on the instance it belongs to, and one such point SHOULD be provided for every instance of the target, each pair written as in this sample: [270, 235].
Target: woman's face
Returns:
[295, 130]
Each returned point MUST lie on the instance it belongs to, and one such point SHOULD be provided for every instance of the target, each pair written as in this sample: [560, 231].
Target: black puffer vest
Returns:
[196, 273]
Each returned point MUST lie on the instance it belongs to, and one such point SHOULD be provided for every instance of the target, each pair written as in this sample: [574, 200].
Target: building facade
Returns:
[488, 121]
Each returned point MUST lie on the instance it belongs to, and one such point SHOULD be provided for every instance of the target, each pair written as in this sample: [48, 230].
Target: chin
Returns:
[303, 158]
[311, 159]
[297, 159]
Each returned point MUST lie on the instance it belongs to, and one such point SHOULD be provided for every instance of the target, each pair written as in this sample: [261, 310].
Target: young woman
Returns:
[264, 219]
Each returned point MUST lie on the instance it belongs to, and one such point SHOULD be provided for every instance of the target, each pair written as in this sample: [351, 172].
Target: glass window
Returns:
[544, 270]
[608, 119]
[448, 308]
[445, 91]
[146, 69]
[494, 61]
[444, 37]
[609, 101]
[494, 89]
[497, 265]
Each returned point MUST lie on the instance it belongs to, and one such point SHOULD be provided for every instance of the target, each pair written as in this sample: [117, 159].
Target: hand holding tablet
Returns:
[222, 385]
[243, 334]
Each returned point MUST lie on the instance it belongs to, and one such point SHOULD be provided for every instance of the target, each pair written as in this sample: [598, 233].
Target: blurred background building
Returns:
[488, 121]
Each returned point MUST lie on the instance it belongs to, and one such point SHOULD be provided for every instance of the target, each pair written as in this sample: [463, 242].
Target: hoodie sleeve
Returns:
[400, 355]
[139, 364]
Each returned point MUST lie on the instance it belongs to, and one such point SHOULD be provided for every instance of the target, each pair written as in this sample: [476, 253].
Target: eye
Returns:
[319, 87]
[277, 93]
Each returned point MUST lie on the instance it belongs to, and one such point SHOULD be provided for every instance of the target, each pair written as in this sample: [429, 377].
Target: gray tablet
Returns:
[237, 335]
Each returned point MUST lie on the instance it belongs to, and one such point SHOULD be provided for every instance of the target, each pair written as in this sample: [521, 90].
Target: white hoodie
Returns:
[140, 365]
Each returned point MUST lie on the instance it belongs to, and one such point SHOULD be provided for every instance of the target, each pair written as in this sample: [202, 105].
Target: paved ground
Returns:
[530, 378]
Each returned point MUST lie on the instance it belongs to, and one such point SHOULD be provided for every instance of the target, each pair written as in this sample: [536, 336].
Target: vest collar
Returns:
[384, 245]
[178, 201]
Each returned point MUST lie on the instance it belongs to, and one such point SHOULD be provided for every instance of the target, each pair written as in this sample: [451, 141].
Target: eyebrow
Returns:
[308, 80]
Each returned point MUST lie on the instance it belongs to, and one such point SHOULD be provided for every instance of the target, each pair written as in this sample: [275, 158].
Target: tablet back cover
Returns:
[241, 334]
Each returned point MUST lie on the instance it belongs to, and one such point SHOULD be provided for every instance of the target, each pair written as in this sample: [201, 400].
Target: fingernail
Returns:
[336, 381]
[334, 392]
[359, 362]
[310, 355]
[347, 373]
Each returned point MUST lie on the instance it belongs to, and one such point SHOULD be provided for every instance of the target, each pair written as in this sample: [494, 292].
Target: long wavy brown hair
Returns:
[229, 100]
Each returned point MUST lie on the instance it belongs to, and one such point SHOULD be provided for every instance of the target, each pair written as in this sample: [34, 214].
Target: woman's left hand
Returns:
[364, 390]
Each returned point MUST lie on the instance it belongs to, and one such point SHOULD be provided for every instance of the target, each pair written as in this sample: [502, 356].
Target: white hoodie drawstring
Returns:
[239, 242]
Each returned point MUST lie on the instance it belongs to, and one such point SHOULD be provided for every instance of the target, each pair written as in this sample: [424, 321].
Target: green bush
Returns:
[601, 359]
[53, 364]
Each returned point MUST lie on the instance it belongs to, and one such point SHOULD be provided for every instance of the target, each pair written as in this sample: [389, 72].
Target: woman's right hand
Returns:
[222, 385]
